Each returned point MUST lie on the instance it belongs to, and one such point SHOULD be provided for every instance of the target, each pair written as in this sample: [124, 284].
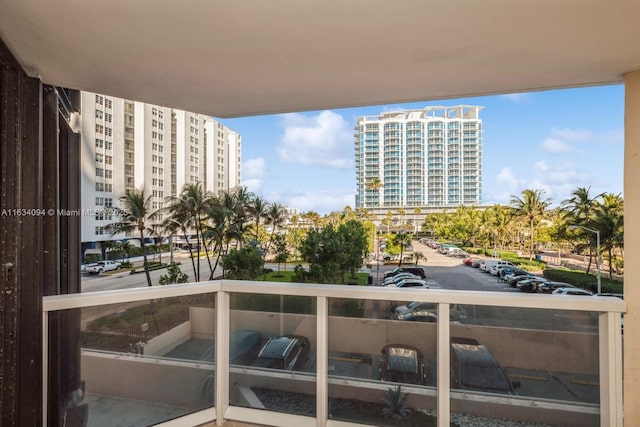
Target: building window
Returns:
[98, 114]
[99, 129]
[108, 173]
[99, 186]
[108, 160]
[108, 131]
[99, 157]
[99, 172]
[99, 201]
[99, 231]
[99, 143]
[108, 145]
[99, 99]
[108, 118]
[108, 202]
[108, 103]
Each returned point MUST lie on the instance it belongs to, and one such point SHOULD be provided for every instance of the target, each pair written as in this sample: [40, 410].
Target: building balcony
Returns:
[186, 355]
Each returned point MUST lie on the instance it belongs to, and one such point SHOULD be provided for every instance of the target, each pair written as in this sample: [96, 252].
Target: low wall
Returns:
[164, 343]
[141, 378]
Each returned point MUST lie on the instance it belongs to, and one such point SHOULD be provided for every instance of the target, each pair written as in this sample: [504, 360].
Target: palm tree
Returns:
[276, 217]
[257, 208]
[402, 239]
[418, 256]
[373, 186]
[608, 219]
[134, 215]
[531, 207]
[178, 220]
[579, 208]
[195, 200]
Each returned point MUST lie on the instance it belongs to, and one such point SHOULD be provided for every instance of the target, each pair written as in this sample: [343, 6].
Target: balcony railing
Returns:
[184, 354]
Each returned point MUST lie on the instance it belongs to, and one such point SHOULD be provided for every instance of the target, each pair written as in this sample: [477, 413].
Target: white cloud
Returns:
[254, 185]
[322, 140]
[518, 98]
[557, 180]
[254, 168]
[564, 140]
[553, 145]
[571, 135]
[253, 173]
[322, 202]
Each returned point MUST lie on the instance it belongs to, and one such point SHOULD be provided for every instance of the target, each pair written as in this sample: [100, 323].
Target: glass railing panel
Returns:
[272, 344]
[136, 363]
[532, 366]
[382, 362]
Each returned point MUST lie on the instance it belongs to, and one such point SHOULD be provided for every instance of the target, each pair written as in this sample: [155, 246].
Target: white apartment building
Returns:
[422, 158]
[128, 145]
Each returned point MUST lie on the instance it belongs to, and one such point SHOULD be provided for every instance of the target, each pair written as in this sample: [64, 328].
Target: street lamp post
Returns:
[597, 232]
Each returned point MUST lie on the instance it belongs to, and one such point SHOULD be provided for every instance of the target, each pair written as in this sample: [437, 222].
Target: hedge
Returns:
[583, 280]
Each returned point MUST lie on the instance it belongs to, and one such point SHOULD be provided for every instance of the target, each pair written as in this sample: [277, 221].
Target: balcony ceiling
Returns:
[234, 58]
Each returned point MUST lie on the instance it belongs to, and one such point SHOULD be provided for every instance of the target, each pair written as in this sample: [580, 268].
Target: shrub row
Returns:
[583, 280]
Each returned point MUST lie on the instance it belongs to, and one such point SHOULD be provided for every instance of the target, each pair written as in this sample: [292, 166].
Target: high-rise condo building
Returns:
[128, 145]
[419, 158]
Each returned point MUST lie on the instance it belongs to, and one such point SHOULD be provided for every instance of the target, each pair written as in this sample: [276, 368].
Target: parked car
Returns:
[513, 280]
[426, 316]
[409, 283]
[477, 263]
[399, 277]
[469, 260]
[457, 252]
[488, 263]
[402, 364]
[572, 291]
[531, 285]
[289, 352]
[505, 271]
[473, 367]
[418, 271]
[102, 266]
[414, 305]
[549, 287]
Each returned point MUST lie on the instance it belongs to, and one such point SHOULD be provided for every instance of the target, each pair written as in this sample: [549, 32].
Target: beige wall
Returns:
[632, 249]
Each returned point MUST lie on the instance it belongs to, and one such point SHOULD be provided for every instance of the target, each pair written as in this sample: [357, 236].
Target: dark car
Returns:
[531, 285]
[513, 280]
[402, 364]
[473, 367]
[549, 287]
[476, 263]
[418, 271]
[288, 352]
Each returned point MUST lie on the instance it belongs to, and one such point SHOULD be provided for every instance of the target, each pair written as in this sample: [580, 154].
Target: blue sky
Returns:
[554, 140]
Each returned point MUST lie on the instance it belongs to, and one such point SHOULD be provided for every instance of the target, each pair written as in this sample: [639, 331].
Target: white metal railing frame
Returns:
[610, 339]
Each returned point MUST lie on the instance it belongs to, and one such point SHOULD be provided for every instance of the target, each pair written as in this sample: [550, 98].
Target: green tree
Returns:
[282, 250]
[243, 264]
[608, 219]
[402, 239]
[174, 275]
[332, 252]
[531, 207]
[579, 209]
[134, 217]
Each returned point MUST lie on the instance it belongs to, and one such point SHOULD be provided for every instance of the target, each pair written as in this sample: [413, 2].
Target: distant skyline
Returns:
[555, 141]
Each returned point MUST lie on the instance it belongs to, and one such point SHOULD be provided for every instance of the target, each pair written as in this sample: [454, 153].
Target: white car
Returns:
[102, 266]
[571, 291]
